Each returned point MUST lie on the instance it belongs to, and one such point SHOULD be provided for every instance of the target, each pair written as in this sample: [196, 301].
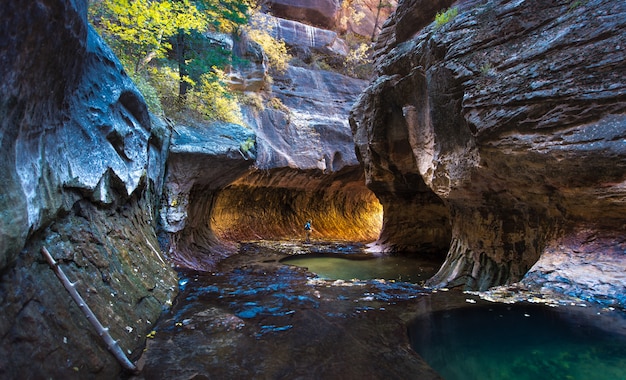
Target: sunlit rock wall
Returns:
[293, 160]
[515, 116]
[82, 166]
[305, 167]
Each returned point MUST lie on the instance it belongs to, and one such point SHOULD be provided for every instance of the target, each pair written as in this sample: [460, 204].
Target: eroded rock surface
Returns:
[82, 166]
[304, 165]
[202, 161]
[513, 114]
[322, 13]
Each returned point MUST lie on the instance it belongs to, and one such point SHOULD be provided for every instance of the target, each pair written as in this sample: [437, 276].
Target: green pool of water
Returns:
[520, 342]
[407, 269]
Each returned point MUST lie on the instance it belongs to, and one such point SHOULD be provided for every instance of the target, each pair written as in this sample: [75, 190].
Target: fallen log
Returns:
[102, 331]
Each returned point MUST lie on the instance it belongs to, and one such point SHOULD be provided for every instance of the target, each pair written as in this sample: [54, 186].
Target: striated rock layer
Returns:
[295, 162]
[513, 114]
[82, 170]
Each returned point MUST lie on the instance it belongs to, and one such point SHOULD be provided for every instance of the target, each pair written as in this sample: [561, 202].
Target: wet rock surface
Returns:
[82, 168]
[513, 114]
[256, 318]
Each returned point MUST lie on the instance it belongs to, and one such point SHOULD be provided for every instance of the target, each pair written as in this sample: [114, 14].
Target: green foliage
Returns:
[252, 99]
[164, 47]
[485, 69]
[247, 145]
[358, 61]
[445, 17]
[225, 16]
[139, 30]
[150, 94]
[277, 104]
[212, 100]
[259, 31]
[576, 3]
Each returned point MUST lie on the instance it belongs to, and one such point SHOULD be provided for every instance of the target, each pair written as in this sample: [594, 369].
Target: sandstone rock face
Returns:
[305, 36]
[82, 165]
[408, 19]
[514, 116]
[302, 165]
[321, 13]
[366, 17]
[305, 168]
[361, 17]
[202, 162]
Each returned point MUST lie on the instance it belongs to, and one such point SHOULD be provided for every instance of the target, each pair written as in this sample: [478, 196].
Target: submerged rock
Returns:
[256, 318]
[513, 115]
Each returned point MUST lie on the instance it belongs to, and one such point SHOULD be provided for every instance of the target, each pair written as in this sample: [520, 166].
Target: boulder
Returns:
[515, 119]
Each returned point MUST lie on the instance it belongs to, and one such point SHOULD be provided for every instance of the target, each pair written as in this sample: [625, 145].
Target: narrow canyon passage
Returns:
[274, 206]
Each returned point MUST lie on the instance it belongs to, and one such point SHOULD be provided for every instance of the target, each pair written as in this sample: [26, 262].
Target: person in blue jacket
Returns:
[307, 230]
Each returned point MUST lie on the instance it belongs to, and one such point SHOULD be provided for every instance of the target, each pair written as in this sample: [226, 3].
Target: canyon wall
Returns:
[511, 116]
[82, 172]
[302, 165]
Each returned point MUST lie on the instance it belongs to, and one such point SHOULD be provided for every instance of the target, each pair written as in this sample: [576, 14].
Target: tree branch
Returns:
[102, 331]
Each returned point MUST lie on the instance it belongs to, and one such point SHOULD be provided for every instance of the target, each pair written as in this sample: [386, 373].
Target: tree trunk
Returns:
[183, 85]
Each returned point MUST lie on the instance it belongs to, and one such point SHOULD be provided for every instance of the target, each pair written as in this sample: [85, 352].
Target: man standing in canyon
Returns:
[307, 230]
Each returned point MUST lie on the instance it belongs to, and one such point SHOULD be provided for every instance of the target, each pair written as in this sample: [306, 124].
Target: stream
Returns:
[284, 310]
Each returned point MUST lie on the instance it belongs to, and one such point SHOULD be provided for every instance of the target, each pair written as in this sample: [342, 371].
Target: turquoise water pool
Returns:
[407, 269]
[519, 341]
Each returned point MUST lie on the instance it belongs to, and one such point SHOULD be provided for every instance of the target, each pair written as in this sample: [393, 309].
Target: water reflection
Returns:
[406, 269]
[520, 341]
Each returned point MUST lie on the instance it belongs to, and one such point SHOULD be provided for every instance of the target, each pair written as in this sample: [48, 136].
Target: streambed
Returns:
[259, 318]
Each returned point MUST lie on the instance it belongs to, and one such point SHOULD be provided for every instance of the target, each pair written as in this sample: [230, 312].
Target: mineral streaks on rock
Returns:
[82, 166]
[514, 115]
[25, 108]
[362, 17]
[312, 131]
[305, 36]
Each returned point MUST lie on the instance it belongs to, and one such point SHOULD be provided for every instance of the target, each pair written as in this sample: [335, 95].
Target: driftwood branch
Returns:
[102, 331]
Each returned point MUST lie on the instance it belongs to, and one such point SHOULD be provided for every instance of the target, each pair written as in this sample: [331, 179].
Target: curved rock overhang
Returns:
[515, 116]
[275, 204]
[206, 222]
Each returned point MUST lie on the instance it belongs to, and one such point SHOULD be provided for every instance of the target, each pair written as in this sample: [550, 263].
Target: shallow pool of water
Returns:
[519, 341]
[406, 269]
